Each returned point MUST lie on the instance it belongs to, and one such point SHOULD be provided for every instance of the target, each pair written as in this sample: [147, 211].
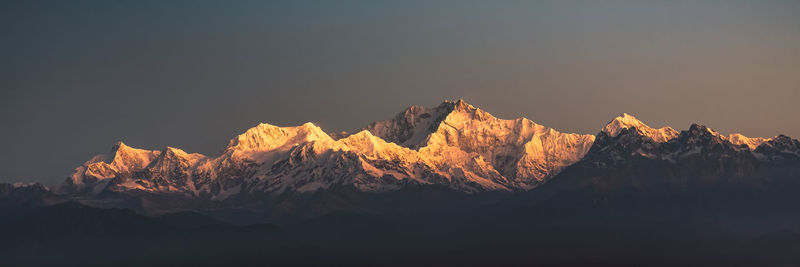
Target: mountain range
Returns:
[454, 146]
[450, 184]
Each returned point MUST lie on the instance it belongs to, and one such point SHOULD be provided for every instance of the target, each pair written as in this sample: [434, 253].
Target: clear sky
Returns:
[77, 76]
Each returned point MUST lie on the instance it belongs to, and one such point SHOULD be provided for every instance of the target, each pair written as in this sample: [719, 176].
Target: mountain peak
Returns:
[698, 128]
[120, 149]
[623, 121]
[363, 136]
[267, 137]
[750, 142]
[784, 142]
[626, 117]
[310, 125]
[459, 104]
[173, 151]
[411, 127]
[627, 121]
[701, 132]
[780, 148]
[171, 157]
[365, 143]
[119, 146]
[125, 159]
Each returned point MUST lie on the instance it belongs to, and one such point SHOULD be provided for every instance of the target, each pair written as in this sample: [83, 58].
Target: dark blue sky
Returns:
[76, 76]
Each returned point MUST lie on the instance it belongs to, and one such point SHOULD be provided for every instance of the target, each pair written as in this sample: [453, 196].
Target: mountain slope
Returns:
[516, 153]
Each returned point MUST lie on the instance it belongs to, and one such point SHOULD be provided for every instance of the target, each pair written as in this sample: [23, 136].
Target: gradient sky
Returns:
[76, 76]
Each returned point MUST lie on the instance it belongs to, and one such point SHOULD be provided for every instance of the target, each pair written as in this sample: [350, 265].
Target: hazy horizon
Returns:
[79, 76]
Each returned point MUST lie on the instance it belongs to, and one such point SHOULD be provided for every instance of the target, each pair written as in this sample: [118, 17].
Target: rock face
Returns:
[454, 145]
[781, 149]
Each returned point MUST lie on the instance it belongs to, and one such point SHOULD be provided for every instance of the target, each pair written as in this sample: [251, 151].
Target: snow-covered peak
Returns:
[459, 105]
[455, 132]
[123, 160]
[520, 150]
[177, 153]
[119, 145]
[174, 151]
[462, 111]
[173, 164]
[627, 121]
[411, 127]
[750, 142]
[266, 137]
[128, 159]
[369, 145]
[623, 121]
[361, 139]
[120, 150]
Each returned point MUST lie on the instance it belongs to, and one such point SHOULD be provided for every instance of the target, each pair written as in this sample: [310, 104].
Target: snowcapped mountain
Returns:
[454, 145]
[779, 149]
[625, 139]
[631, 162]
[750, 142]
[515, 153]
[626, 121]
[122, 162]
[451, 172]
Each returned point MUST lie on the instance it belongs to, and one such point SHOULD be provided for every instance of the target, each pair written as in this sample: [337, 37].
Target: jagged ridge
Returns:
[455, 145]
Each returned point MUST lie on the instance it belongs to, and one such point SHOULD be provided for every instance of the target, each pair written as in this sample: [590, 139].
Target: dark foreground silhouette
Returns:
[76, 235]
